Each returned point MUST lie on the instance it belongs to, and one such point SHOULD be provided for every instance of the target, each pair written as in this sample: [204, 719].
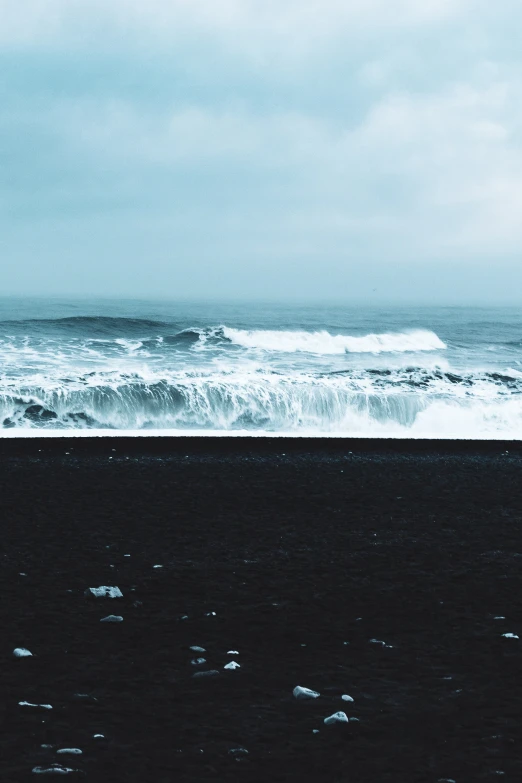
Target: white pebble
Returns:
[56, 769]
[198, 661]
[210, 614]
[126, 555]
[345, 697]
[315, 731]
[500, 617]
[305, 693]
[105, 592]
[99, 736]
[71, 751]
[21, 652]
[510, 636]
[112, 618]
[232, 652]
[157, 566]
[28, 704]
[197, 649]
[337, 717]
[232, 665]
[47, 746]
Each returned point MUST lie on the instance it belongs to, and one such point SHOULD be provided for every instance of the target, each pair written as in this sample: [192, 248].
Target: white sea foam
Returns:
[323, 342]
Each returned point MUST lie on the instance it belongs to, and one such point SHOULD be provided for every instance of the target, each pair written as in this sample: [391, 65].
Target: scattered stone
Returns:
[38, 706]
[197, 649]
[21, 652]
[305, 693]
[232, 665]
[198, 661]
[112, 618]
[56, 769]
[70, 751]
[337, 717]
[510, 636]
[126, 555]
[210, 673]
[345, 697]
[104, 592]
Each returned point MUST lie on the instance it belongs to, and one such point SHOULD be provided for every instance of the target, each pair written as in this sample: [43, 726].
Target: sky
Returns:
[245, 149]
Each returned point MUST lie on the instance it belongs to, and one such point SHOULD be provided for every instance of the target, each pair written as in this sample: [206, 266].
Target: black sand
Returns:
[304, 557]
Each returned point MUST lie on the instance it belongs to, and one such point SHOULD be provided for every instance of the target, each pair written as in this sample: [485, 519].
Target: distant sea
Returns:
[348, 370]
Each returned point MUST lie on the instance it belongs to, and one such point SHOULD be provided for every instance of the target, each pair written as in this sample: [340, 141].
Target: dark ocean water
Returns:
[104, 364]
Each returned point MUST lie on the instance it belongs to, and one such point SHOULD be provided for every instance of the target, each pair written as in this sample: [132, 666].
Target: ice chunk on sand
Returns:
[71, 751]
[337, 717]
[56, 769]
[105, 592]
[510, 636]
[305, 693]
[112, 618]
[21, 652]
[41, 706]
[232, 665]
[197, 649]
[232, 652]
[345, 697]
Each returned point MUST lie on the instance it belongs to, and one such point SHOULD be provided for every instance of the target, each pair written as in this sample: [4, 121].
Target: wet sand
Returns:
[295, 554]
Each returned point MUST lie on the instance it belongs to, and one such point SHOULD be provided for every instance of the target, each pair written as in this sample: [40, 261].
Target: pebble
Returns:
[305, 693]
[232, 665]
[41, 706]
[197, 649]
[345, 697]
[210, 673]
[98, 736]
[21, 652]
[337, 717]
[157, 566]
[56, 769]
[112, 618]
[232, 652]
[499, 617]
[210, 614]
[198, 661]
[510, 636]
[315, 731]
[105, 592]
[70, 751]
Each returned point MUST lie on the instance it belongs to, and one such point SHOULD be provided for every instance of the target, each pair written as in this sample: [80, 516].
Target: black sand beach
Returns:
[295, 554]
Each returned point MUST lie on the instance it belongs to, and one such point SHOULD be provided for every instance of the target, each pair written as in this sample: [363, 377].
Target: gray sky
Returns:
[262, 148]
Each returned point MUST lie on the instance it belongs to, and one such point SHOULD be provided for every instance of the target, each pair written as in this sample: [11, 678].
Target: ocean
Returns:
[351, 370]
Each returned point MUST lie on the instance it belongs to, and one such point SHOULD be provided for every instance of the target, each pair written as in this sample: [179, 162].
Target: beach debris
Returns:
[37, 706]
[198, 661]
[510, 636]
[104, 592]
[210, 673]
[112, 618]
[56, 769]
[232, 652]
[305, 693]
[345, 697]
[232, 665]
[21, 652]
[195, 648]
[70, 751]
[337, 717]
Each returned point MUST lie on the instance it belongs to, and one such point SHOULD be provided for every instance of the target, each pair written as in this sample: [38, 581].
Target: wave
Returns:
[406, 401]
[323, 342]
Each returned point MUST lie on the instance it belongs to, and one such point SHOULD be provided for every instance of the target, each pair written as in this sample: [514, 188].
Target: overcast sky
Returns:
[262, 148]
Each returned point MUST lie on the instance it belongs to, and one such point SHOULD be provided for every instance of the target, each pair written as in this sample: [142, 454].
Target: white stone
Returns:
[345, 697]
[198, 661]
[157, 566]
[197, 649]
[21, 652]
[112, 618]
[28, 704]
[71, 751]
[232, 665]
[500, 617]
[56, 769]
[315, 731]
[337, 717]
[232, 652]
[99, 736]
[210, 614]
[305, 693]
[510, 636]
[105, 592]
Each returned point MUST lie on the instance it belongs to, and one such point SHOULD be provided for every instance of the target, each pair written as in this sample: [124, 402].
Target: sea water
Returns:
[256, 368]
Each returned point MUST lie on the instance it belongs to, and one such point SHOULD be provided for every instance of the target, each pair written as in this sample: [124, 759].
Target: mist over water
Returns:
[454, 372]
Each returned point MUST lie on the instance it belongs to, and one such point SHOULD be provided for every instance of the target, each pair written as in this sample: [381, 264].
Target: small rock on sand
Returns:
[112, 618]
[70, 751]
[21, 652]
[337, 717]
[510, 636]
[104, 592]
[198, 649]
[232, 665]
[345, 697]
